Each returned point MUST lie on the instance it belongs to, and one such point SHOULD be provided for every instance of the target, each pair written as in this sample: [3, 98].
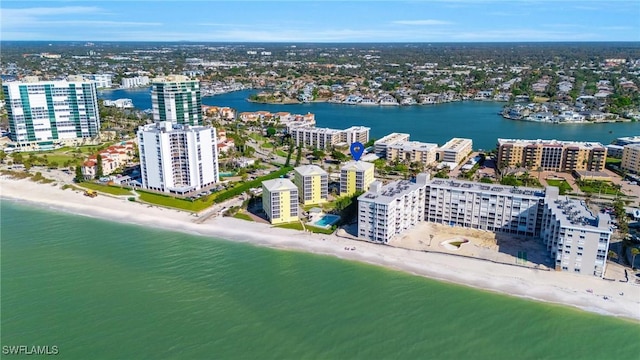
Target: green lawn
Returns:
[114, 190]
[598, 187]
[169, 201]
[613, 161]
[297, 226]
[562, 184]
[513, 180]
[241, 187]
[282, 153]
[243, 216]
[205, 202]
[267, 145]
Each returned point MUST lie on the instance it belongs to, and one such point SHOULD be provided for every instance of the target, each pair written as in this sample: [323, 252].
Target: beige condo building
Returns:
[631, 158]
[551, 155]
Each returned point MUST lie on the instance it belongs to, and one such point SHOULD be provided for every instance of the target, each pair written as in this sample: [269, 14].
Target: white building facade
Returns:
[41, 112]
[481, 206]
[576, 239]
[177, 158]
[387, 211]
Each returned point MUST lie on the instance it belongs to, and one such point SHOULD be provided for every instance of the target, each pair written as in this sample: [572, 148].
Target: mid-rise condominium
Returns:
[413, 151]
[386, 211]
[356, 176]
[381, 145]
[177, 99]
[455, 150]
[177, 158]
[280, 201]
[324, 138]
[551, 155]
[492, 207]
[312, 182]
[43, 112]
[631, 158]
[577, 239]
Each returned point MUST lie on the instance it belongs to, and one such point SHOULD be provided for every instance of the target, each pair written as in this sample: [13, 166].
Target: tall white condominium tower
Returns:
[177, 99]
[177, 158]
[41, 112]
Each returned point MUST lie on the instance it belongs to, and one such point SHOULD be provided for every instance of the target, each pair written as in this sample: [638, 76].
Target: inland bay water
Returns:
[104, 290]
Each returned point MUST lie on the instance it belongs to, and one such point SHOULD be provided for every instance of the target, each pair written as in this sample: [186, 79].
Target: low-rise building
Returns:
[356, 176]
[312, 182]
[280, 201]
[113, 158]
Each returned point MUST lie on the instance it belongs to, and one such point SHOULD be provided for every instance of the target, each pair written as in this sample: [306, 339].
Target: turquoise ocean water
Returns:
[102, 290]
[430, 123]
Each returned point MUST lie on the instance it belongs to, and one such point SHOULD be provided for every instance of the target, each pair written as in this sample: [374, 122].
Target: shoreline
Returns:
[543, 286]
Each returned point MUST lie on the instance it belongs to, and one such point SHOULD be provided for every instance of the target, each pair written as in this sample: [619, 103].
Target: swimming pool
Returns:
[226, 174]
[326, 221]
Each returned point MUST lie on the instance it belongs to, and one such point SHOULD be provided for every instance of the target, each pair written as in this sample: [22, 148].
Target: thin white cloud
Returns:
[615, 28]
[426, 22]
[97, 23]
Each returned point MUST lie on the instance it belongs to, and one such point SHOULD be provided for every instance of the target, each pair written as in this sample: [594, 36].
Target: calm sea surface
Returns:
[435, 123]
[102, 290]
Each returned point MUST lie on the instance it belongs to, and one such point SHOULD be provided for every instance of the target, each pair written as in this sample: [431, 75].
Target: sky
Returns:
[321, 21]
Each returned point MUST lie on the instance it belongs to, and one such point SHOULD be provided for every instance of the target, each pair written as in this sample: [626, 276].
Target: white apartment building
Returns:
[136, 81]
[386, 211]
[177, 99]
[41, 112]
[412, 151]
[455, 150]
[631, 158]
[497, 208]
[177, 158]
[101, 80]
[324, 138]
[576, 239]
[381, 145]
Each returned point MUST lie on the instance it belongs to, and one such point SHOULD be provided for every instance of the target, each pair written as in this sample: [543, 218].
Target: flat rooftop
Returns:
[574, 213]
[486, 188]
[390, 192]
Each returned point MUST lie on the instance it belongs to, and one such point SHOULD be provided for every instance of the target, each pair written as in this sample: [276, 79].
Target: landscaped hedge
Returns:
[242, 187]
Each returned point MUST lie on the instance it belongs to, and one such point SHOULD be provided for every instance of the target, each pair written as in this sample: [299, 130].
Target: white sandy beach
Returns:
[548, 286]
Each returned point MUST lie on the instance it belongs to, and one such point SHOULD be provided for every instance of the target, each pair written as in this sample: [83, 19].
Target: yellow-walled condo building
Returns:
[280, 200]
[356, 176]
[312, 183]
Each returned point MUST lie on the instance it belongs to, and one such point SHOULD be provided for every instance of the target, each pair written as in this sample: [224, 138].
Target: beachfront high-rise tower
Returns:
[312, 183]
[177, 158]
[280, 200]
[44, 113]
[355, 176]
[177, 99]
